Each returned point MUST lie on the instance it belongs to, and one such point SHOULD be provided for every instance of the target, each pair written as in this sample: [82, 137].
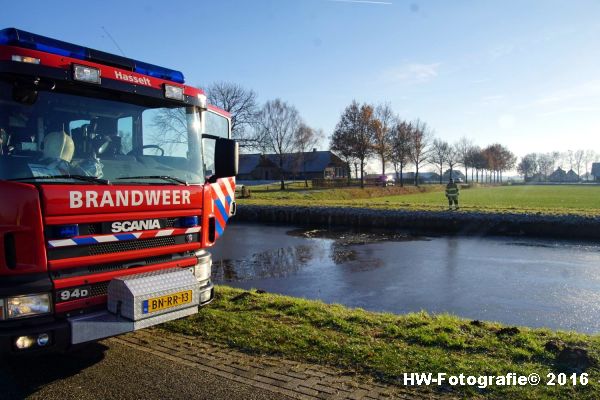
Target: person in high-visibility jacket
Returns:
[452, 194]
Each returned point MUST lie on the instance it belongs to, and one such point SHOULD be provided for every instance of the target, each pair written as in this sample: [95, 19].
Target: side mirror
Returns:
[226, 158]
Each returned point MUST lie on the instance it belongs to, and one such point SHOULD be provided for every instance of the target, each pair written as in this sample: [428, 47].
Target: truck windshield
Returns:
[60, 137]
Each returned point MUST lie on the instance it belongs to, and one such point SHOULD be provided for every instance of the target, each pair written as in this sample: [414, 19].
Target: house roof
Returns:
[572, 173]
[559, 173]
[247, 163]
[596, 169]
[316, 161]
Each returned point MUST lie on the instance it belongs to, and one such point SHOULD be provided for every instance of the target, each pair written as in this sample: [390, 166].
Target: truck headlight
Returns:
[25, 306]
[202, 270]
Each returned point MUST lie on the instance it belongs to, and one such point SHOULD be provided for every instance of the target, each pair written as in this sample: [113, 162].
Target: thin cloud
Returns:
[385, 3]
[412, 73]
[570, 110]
[500, 51]
[584, 90]
[492, 99]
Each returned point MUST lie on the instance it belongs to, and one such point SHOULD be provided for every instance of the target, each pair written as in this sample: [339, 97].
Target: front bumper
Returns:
[59, 332]
[65, 333]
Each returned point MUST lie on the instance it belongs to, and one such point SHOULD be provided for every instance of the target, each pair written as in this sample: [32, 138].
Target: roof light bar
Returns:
[158, 72]
[19, 38]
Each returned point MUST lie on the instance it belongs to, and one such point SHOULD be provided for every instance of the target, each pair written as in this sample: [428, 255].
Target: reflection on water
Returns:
[516, 281]
[274, 263]
[354, 259]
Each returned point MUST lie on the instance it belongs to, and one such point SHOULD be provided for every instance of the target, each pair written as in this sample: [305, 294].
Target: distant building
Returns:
[456, 175]
[558, 176]
[596, 171]
[309, 165]
[424, 177]
[572, 176]
[257, 167]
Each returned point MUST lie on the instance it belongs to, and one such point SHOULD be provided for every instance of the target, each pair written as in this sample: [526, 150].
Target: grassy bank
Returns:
[385, 345]
[556, 199]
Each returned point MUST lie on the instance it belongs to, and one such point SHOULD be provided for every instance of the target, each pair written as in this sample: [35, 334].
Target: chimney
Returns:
[314, 149]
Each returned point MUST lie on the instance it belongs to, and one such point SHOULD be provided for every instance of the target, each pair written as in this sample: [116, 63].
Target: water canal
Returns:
[517, 281]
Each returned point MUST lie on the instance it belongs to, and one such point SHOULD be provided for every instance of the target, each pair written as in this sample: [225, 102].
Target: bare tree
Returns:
[382, 145]
[474, 160]
[546, 164]
[578, 157]
[341, 140]
[278, 124]
[569, 156]
[528, 166]
[401, 145]
[499, 159]
[354, 134]
[305, 140]
[507, 160]
[452, 159]
[463, 150]
[438, 155]
[419, 149]
[242, 105]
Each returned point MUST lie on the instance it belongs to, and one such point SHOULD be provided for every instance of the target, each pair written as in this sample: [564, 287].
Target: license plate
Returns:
[169, 301]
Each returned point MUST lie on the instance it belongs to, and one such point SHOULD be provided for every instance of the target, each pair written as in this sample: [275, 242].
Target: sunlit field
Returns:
[545, 199]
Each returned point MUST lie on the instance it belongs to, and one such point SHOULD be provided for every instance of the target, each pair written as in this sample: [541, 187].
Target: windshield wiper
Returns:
[163, 177]
[86, 178]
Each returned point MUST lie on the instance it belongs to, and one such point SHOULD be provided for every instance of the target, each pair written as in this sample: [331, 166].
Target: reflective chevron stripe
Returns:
[88, 240]
[223, 194]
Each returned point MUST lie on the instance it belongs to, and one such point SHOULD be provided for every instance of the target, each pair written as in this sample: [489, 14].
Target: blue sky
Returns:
[522, 73]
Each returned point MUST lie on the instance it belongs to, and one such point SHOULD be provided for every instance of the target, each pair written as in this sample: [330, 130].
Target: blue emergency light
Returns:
[188, 222]
[18, 38]
[67, 231]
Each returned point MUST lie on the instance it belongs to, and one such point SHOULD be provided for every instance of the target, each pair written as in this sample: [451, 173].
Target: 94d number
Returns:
[73, 293]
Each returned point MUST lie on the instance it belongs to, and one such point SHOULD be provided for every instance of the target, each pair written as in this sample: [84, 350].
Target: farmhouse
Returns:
[561, 176]
[596, 171]
[307, 165]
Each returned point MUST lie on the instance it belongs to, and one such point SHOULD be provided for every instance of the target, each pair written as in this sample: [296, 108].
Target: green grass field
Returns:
[385, 346]
[551, 199]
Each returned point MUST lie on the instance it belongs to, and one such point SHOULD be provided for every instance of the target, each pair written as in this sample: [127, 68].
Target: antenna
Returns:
[114, 41]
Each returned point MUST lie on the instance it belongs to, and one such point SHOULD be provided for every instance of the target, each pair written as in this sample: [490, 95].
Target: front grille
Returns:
[116, 247]
[58, 253]
[96, 269]
[99, 289]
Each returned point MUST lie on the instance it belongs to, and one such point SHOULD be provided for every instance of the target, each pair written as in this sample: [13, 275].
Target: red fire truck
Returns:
[115, 177]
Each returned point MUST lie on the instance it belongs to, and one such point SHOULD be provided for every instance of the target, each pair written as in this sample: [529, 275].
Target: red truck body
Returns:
[94, 249]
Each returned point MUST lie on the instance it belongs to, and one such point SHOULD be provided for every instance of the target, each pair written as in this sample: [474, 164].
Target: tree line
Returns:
[365, 131]
[275, 127]
[539, 166]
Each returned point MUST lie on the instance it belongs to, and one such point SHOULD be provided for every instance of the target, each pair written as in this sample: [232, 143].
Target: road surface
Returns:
[154, 364]
[112, 370]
